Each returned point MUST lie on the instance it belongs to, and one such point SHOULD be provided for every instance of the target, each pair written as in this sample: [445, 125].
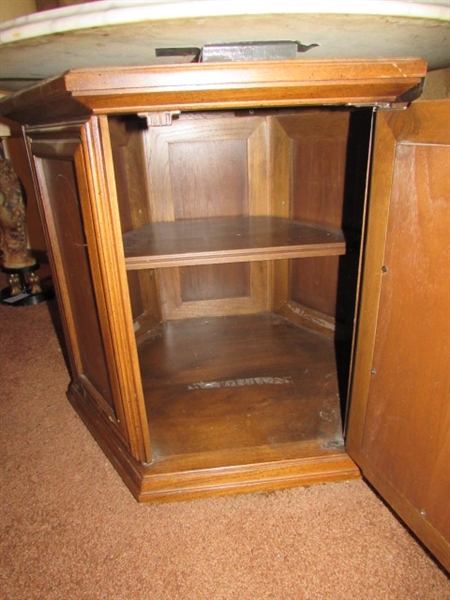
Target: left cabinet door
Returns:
[77, 200]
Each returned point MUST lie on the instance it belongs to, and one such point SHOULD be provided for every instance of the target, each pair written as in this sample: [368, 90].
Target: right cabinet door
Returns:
[399, 419]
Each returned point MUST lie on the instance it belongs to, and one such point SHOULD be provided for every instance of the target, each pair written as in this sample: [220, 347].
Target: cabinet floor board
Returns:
[232, 384]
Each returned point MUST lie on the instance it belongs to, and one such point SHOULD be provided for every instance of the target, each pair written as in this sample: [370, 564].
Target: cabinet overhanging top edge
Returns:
[104, 90]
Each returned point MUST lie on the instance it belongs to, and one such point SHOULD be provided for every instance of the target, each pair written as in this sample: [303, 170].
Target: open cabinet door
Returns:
[399, 419]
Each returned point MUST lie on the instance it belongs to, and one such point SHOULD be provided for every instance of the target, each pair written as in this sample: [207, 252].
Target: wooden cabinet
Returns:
[227, 282]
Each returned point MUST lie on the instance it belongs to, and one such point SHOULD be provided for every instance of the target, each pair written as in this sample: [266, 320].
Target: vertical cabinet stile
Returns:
[108, 237]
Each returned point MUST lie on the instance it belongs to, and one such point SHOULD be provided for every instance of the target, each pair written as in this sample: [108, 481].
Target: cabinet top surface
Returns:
[80, 93]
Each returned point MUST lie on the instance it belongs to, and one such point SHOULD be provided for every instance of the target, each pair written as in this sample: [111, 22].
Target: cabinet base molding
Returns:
[176, 478]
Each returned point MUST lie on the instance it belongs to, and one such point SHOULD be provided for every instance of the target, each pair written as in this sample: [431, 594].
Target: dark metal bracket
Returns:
[241, 51]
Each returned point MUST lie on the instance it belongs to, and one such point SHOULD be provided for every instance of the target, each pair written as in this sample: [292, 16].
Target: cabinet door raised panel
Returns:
[54, 160]
[399, 422]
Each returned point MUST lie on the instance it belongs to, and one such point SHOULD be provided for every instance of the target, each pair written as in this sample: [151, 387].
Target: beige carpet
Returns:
[72, 531]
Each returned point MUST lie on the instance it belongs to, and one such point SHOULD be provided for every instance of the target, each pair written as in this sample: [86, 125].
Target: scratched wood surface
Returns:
[238, 382]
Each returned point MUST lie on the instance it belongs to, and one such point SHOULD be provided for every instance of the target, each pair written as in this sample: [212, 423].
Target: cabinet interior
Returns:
[241, 233]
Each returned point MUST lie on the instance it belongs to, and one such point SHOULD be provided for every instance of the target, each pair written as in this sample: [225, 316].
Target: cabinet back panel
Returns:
[212, 282]
[209, 178]
[207, 166]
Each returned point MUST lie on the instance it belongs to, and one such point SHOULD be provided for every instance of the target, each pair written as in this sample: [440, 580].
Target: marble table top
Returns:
[130, 32]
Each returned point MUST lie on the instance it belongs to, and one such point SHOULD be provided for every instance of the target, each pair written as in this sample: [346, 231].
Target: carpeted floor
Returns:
[72, 531]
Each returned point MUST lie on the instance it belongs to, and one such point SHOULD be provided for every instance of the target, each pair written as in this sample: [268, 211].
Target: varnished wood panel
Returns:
[210, 301]
[130, 172]
[131, 181]
[66, 184]
[208, 177]
[68, 245]
[203, 167]
[318, 168]
[328, 159]
[208, 282]
[399, 425]
[318, 163]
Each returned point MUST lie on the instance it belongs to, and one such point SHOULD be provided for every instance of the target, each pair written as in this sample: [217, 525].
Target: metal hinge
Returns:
[394, 106]
[380, 105]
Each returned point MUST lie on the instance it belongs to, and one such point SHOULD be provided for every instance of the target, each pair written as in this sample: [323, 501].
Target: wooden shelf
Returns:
[225, 240]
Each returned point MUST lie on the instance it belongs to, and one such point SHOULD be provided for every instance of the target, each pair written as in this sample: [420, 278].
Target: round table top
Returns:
[132, 32]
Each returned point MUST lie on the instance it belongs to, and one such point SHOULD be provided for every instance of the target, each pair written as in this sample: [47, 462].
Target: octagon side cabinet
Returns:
[251, 262]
